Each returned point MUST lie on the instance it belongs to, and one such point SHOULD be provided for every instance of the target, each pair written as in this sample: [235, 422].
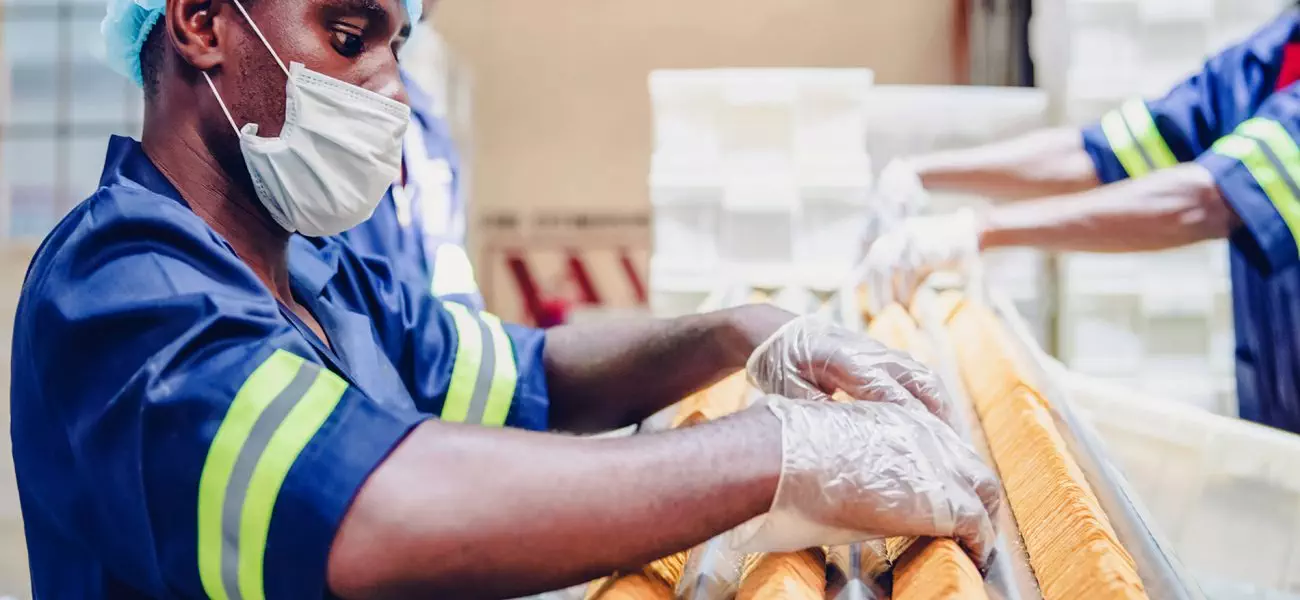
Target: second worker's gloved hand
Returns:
[899, 191]
[811, 358]
[901, 260]
[855, 471]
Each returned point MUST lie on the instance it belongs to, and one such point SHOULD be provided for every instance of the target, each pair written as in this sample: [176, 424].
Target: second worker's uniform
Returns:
[1240, 119]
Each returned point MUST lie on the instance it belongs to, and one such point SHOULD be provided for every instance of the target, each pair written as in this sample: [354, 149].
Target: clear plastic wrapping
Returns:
[712, 572]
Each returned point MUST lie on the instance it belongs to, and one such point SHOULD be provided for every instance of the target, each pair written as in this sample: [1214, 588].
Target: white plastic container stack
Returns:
[1094, 54]
[759, 177]
[1224, 492]
[1158, 322]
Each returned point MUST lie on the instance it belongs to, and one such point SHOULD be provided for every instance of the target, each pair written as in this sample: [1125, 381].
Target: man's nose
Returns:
[390, 86]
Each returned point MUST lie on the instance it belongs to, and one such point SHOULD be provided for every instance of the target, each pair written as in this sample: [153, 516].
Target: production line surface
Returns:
[1046, 549]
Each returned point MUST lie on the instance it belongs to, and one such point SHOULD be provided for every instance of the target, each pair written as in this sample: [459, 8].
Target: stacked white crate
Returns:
[1158, 322]
[759, 177]
[1093, 54]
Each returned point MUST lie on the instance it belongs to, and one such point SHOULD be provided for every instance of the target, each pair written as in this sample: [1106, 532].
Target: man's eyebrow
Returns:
[373, 8]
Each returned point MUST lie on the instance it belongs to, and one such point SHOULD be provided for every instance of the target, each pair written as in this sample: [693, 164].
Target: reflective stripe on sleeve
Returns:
[275, 413]
[1135, 139]
[1271, 157]
[484, 374]
[1144, 129]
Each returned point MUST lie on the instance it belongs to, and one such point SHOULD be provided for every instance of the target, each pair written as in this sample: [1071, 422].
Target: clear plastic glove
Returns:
[855, 471]
[811, 358]
[899, 190]
[901, 260]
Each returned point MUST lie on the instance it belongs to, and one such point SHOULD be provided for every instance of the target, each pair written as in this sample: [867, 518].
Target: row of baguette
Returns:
[1071, 547]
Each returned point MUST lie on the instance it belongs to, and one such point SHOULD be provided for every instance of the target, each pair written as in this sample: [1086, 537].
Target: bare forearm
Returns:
[462, 512]
[611, 374]
[1167, 209]
[1042, 163]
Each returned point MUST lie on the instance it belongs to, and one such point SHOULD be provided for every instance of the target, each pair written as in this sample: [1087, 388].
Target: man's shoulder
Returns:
[140, 237]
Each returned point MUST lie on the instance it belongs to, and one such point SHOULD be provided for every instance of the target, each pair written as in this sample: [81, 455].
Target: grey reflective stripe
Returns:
[483, 381]
[1282, 172]
[233, 508]
[1146, 157]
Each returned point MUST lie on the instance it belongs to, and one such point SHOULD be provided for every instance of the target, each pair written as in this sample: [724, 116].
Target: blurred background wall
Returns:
[558, 131]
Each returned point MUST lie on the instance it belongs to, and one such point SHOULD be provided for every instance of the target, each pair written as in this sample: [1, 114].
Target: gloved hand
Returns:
[898, 196]
[899, 191]
[855, 471]
[901, 260]
[811, 358]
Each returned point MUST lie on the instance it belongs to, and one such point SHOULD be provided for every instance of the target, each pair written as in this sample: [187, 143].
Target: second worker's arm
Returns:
[1052, 161]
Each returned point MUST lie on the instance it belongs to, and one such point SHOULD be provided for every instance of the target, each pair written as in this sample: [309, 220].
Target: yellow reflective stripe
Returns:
[1123, 145]
[1148, 135]
[274, 414]
[293, 434]
[505, 376]
[257, 392]
[1279, 142]
[464, 371]
[1278, 190]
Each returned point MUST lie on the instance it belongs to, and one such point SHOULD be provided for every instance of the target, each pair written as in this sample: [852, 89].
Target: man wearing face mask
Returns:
[214, 397]
[419, 226]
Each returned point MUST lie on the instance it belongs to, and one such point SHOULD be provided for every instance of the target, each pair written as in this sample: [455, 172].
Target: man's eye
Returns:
[347, 43]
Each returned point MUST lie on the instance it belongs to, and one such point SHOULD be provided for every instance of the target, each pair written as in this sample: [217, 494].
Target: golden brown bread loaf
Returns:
[1072, 548]
[659, 578]
[928, 568]
[632, 586]
[718, 400]
[937, 569]
[784, 576]
[654, 581]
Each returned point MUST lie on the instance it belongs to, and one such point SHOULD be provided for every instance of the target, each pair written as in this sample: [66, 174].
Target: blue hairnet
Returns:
[127, 24]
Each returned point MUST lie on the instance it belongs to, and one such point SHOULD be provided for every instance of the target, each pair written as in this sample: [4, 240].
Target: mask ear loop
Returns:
[240, 6]
[258, 31]
[222, 103]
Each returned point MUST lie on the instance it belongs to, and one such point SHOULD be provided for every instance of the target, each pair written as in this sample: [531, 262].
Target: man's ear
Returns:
[193, 28]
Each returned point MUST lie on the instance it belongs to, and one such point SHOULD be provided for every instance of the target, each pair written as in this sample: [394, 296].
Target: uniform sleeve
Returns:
[1257, 168]
[1143, 136]
[197, 416]
[460, 364]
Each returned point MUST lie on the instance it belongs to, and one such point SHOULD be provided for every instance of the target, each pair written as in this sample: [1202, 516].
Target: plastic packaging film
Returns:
[1072, 548]
[713, 571]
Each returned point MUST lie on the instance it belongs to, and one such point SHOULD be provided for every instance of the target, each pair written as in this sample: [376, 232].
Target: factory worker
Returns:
[1216, 157]
[419, 226]
[214, 397]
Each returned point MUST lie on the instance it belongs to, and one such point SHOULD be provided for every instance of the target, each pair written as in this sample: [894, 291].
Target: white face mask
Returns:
[339, 150]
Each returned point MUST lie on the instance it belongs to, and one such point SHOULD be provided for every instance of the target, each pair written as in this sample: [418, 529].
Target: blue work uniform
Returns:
[420, 224]
[178, 433]
[1239, 118]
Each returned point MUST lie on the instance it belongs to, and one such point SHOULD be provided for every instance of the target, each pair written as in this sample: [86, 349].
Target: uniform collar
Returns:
[127, 164]
[312, 262]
